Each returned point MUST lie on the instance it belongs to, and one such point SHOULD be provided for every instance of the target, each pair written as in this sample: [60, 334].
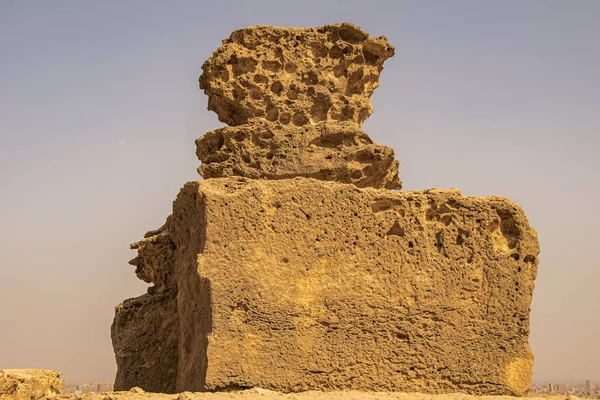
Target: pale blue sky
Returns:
[99, 110]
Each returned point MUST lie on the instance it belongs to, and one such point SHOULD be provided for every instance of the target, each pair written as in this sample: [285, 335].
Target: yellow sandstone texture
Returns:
[293, 267]
[295, 99]
[146, 339]
[301, 284]
[331, 152]
[295, 76]
[29, 384]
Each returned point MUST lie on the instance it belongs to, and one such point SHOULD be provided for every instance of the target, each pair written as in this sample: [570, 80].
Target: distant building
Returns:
[557, 388]
[562, 389]
[590, 385]
[84, 388]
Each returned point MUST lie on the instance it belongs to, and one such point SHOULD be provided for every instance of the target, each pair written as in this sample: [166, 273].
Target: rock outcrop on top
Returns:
[295, 99]
[294, 267]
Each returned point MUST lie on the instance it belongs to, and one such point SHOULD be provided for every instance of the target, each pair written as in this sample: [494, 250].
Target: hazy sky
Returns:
[99, 110]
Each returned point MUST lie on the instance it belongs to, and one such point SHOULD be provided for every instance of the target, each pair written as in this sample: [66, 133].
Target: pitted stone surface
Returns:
[145, 337]
[154, 262]
[29, 384]
[327, 151]
[300, 284]
[149, 322]
[295, 76]
[327, 281]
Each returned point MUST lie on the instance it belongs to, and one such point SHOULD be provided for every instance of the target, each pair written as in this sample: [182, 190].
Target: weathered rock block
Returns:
[145, 331]
[29, 384]
[154, 262]
[145, 337]
[327, 281]
[301, 284]
[339, 152]
[295, 76]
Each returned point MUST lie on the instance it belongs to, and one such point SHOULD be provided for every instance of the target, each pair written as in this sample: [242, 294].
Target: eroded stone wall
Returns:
[145, 332]
[145, 337]
[293, 267]
[300, 284]
[326, 286]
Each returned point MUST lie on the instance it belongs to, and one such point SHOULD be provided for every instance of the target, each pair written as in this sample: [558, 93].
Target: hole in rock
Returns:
[310, 78]
[365, 156]
[242, 66]
[272, 113]
[336, 52]
[220, 142]
[438, 241]
[272, 65]
[509, 228]
[355, 84]
[396, 230]
[320, 108]
[256, 94]
[259, 78]
[357, 174]
[384, 205]
[290, 68]
[350, 34]
[299, 119]
[277, 87]
[285, 118]
[318, 50]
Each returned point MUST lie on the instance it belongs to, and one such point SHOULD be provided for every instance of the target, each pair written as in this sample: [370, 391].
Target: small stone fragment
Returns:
[29, 384]
[154, 262]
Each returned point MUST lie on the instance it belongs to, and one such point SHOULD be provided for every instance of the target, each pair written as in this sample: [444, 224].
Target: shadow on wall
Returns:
[161, 338]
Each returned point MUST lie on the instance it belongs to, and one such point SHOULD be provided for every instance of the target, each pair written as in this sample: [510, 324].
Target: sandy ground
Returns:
[261, 394]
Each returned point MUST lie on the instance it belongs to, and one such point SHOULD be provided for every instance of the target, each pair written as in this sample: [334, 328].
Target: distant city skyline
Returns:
[587, 389]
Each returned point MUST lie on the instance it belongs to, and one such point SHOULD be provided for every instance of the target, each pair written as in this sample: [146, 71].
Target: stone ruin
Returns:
[295, 100]
[292, 266]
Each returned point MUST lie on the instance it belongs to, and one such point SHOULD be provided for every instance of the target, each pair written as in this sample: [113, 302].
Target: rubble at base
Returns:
[29, 384]
[263, 394]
